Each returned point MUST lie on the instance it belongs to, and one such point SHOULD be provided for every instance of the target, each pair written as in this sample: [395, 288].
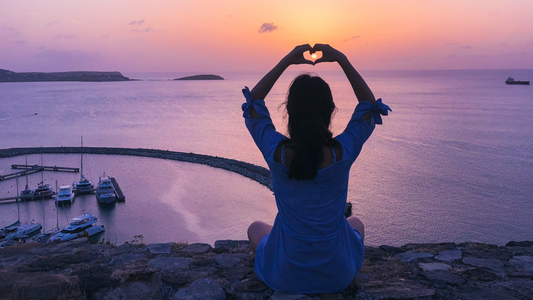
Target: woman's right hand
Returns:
[296, 56]
[329, 54]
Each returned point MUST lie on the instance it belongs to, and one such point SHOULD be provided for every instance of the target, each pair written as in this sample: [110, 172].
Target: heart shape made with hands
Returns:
[312, 56]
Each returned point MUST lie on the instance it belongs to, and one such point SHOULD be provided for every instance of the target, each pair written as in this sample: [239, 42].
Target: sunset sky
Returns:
[238, 35]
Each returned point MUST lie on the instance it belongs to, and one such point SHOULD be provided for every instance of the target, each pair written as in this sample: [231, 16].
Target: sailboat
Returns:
[83, 186]
[27, 193]
[24, 229]
[43, 190]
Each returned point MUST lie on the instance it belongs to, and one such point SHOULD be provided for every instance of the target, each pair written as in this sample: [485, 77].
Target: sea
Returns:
[453, 161]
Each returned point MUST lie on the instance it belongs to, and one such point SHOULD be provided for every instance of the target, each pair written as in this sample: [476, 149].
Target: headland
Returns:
[201, 77]
[10, 76]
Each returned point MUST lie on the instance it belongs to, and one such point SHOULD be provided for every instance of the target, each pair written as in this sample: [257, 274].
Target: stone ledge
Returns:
[77, 270]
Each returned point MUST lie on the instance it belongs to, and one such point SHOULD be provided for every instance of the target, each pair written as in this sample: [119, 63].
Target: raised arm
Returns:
[263, 87]
[359, 86]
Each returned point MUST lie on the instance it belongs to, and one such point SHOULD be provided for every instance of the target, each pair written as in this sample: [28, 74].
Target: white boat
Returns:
[24, 230]
[105, 192]
[65, 195]
[83, 186]
[77, 226]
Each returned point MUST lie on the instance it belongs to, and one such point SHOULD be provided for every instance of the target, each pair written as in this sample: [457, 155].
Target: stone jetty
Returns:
[254, 172]
[78, 270]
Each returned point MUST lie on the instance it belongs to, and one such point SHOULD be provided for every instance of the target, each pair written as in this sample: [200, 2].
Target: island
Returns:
[10, 76]
[201, 77]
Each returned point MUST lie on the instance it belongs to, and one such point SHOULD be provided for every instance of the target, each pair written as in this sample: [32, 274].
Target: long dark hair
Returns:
[309, 107]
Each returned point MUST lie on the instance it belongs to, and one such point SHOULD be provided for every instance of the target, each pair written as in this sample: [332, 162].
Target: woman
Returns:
[311, 248]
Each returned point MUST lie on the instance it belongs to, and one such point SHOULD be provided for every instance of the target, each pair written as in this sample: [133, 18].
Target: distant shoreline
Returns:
[254, 172]
[10, 76]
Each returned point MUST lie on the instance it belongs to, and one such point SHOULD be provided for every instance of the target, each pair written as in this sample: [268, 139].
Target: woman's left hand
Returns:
[296, 56]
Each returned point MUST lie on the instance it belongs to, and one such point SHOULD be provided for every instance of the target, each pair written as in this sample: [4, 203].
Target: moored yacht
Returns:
[105, 192]
[26, 194]
[83, 186]
[43, 191]
[65, 195]
[77, 226]
[24, 230]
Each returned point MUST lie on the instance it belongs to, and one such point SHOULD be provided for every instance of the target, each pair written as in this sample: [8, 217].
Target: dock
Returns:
[31, 169]
[14, 199]
[118, 191]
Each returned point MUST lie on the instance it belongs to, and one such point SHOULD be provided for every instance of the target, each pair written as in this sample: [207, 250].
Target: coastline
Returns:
[251, 171]
[79, 270]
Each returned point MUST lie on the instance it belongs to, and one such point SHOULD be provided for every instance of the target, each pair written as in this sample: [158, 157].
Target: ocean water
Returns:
[452, 162]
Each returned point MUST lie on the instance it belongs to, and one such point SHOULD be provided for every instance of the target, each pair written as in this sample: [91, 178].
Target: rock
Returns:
[251, 285]
[401, 290]
[170, 264]
[432, 246]
[284, 296]
[441, 278]
[37, 286]
[522, 262]
[160, 248]
[137, 290]
[125, 258]
[237, 273]
[95, 278]
[226, 261]
[473, 292]
[482, 275]
[232, 244]
[197, 248]
[410, 256]
[519, 244]
[449, 255]
[492, 264]
[201, 289]
[391, 249]
[434, 267]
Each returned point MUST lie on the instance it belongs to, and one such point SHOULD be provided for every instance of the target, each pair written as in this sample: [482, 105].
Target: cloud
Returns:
[52, 23]
[140, 22]
[459, 46]
[104, 36]
[75, 21]
[20, 42]
[352, 38]
[267, 27]
[149, 29]
[67, 36]
[11, 29]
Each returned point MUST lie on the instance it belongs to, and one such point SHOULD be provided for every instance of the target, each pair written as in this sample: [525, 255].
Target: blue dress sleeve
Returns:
[358, 131]
[262, 129]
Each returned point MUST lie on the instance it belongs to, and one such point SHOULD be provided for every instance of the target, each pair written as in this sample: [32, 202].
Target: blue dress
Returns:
[312, 248]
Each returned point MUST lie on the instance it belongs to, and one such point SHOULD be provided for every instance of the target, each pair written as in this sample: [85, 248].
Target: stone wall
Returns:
[78, 270]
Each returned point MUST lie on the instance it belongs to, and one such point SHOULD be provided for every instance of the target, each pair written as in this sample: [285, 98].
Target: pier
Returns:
[31, 169]
[22, 199]
[118, 191]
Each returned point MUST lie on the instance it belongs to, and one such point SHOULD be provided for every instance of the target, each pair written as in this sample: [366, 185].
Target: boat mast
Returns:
[57, 210]
[18, 208]
[42, 170]
[26, 171]
[81, 169]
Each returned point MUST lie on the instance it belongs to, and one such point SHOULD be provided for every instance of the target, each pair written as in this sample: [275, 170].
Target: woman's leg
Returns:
[357, 224]
[256, 232]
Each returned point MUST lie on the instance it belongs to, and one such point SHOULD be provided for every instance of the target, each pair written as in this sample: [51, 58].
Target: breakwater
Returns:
[254, 172]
